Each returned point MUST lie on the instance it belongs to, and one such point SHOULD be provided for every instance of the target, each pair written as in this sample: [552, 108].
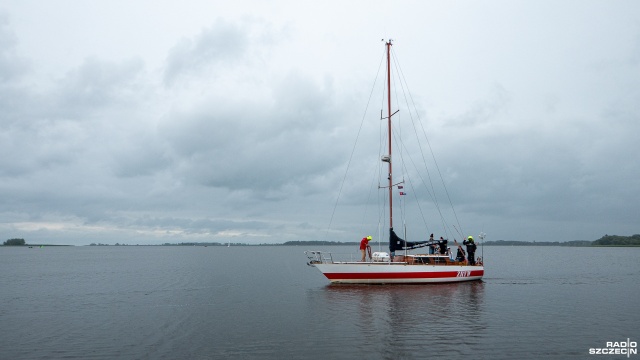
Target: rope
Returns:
[404, 83]
[352, 151]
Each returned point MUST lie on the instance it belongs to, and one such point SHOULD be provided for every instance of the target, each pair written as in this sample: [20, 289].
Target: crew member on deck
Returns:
[450, 254]
[443, 246]
[365, 248]
[460, 254]
[471, 249]
[432, 246]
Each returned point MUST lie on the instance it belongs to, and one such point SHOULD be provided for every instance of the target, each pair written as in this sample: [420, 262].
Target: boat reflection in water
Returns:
[407, 320]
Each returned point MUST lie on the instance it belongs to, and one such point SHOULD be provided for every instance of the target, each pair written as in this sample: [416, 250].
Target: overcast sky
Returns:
[148, 122]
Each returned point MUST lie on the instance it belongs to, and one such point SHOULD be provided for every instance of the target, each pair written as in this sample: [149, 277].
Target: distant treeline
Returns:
[21, 242]
[14, 242]
[607, 240]
[615, 240]
[538, 243]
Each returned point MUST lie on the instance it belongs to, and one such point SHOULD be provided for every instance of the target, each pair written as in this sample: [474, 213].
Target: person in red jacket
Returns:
[365, 248]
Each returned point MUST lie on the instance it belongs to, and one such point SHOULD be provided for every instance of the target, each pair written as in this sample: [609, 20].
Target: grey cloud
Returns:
[12, 66]
[263, 147]
[223, 43]
[484, 111]
[43, 130]
[96, 84]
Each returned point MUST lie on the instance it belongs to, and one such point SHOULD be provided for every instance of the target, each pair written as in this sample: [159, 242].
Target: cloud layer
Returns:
[240, 126]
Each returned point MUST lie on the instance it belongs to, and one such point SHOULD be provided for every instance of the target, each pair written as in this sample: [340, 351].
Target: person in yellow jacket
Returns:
[471, 250]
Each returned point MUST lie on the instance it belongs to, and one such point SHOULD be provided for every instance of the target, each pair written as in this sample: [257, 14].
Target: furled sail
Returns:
[397, 243]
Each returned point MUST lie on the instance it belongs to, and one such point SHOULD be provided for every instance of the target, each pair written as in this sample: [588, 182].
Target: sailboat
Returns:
[399, 266]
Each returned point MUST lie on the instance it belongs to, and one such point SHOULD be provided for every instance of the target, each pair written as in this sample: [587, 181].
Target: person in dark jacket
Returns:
[460, 254]
[471, 250]
[443, 246]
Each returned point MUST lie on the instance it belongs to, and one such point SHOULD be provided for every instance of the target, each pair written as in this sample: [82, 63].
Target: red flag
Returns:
[403, 193]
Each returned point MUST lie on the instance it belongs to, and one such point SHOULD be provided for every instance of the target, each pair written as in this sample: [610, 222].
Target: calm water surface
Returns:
[265, 303]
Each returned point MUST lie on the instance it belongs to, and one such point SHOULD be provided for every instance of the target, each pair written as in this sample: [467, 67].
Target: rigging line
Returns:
[430, 148]
[402, 149]
[444, 186]
[382, 150]
[403, 146]
[412, 188]
[432, 194]
[378, 168]
[399, 141]
[354, 148]
[366, 208]
[398, 144]
[377, 171]
[382, 171]
[434, 160]
[459, 233]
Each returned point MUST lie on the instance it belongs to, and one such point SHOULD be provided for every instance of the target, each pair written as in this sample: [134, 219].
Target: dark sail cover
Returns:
[397, 243]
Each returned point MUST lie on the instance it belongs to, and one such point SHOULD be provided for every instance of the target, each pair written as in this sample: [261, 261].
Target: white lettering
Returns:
[611, 351]
[617, 348]
[621, 344]
[463, 274]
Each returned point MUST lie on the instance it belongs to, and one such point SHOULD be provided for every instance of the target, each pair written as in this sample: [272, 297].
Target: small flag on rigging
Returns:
[400, 187]
[403, 193]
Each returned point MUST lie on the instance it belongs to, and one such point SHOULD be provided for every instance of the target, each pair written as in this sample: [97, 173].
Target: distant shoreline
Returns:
[492, 243]
[605, 241]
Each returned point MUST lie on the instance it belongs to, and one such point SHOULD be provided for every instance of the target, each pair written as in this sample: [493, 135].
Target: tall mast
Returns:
[388, 44]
